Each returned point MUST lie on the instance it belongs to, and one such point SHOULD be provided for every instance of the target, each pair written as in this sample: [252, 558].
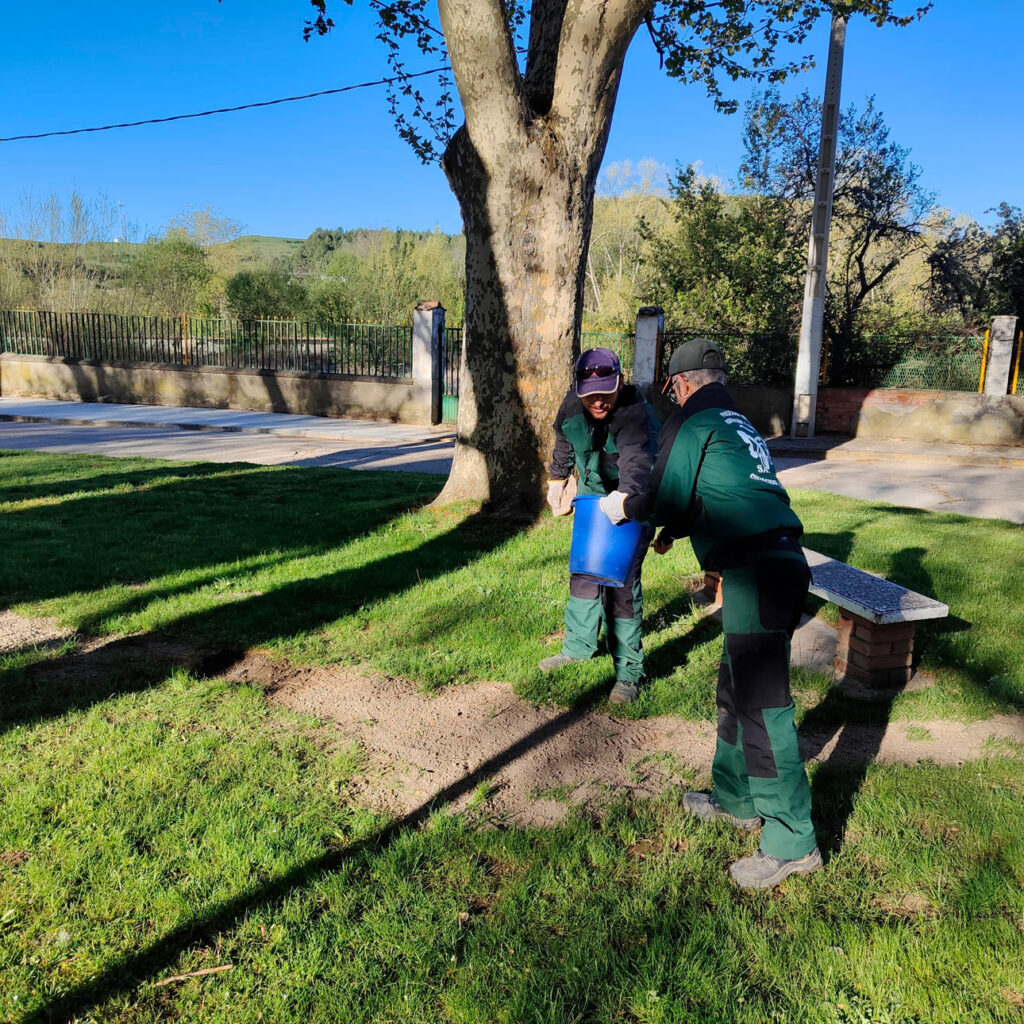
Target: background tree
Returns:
[537, 93]
[1007, 281]
[879, 209]
[172, 271]
[731, 262]
[264, 292]
[59, 255]
[629, 204]
[959, 265]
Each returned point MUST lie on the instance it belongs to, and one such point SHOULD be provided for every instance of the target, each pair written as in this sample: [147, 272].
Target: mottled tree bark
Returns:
[524, 167]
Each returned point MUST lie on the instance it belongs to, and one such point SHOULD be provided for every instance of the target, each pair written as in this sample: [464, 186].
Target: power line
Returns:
[228, 110]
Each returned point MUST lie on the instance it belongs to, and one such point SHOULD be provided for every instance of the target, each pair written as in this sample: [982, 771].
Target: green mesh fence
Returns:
[919, 363]
[623, 345]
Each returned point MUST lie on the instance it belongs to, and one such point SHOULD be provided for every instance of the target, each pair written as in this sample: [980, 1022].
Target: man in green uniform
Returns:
[714, 482]
[606, 431]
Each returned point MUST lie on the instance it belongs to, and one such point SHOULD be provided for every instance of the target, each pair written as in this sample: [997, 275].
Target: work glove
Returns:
[560, 496]
[612, 506]
[663, 543]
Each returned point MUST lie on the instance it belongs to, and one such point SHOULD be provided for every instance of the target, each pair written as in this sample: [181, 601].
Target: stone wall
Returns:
[948, 416]
[308, 394]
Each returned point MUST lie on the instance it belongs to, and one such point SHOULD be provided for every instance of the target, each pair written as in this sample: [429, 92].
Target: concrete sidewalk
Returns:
[286, 425]
[373, 432]
[971, 480]
[871, 449]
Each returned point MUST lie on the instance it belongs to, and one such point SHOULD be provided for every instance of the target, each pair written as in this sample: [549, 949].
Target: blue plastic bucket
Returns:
[602, 551]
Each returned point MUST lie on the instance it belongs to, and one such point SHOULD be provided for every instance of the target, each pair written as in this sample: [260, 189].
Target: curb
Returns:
[867, 455]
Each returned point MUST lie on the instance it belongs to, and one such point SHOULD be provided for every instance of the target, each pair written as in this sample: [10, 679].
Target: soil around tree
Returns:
[479, 743]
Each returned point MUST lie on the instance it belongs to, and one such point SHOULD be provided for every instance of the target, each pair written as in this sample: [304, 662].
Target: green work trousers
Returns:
[758, 769]
[619, 610]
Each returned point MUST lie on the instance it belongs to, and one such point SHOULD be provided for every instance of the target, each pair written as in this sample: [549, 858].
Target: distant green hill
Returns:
[265, 248]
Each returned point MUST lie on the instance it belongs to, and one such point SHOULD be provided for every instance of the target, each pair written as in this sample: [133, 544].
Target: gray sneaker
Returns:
[707, 808]
[556, 661]
[760, 871]
[623, 692]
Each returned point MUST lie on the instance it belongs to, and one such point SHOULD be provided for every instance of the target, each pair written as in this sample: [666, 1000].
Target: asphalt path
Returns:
[426, 456]
[986, 491]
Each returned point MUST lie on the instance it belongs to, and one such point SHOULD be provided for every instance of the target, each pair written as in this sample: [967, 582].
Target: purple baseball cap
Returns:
[597, 372]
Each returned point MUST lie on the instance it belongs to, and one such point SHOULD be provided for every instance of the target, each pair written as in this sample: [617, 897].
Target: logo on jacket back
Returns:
[752, 439]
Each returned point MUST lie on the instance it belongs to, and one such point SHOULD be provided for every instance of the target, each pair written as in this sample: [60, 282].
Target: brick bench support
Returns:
[877, 654]
[877, 619]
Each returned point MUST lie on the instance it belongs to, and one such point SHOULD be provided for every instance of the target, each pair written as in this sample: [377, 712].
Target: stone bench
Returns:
[876, 620]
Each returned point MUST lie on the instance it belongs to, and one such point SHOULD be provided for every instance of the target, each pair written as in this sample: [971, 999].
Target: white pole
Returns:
[808, 362]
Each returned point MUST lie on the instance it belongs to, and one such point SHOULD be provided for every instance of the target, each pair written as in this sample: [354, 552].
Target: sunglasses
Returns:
[595, 371]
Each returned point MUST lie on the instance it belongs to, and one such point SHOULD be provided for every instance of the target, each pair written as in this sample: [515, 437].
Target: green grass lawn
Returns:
[164, 824]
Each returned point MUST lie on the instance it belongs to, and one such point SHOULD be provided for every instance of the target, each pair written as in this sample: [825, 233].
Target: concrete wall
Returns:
[950, 416]
[767, 408]
[43, 377]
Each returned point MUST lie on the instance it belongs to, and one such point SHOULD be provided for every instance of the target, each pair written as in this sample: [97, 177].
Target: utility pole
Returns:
[808, 362]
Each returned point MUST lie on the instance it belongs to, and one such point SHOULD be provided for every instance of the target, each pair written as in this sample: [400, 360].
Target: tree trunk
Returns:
[524, 168]
[527, 222]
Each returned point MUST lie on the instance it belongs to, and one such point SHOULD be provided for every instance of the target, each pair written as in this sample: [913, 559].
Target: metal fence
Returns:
[358, 350]
[768, 359]
[916, 362]
[623, 345]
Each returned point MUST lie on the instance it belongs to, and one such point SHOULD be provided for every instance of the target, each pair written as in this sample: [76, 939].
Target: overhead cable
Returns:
[227, 110]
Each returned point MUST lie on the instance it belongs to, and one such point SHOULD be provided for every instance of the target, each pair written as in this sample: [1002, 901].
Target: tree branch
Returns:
[484, 64]
[594, 40]
[546, 21]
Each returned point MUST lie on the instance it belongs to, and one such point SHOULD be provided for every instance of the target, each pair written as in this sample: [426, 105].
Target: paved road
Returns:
[224, 446]
[904, 476]
[987, 491]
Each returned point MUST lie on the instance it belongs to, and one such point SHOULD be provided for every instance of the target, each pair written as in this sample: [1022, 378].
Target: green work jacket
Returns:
[714, 481]
[616, 453]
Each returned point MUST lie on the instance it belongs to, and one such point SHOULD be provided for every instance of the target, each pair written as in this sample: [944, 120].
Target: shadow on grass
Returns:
[861, 727]
[53, 483]
[132, 970]
[208, 640]
[159, 522]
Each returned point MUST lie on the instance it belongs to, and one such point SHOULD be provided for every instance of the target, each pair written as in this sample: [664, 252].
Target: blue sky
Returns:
[948, 87]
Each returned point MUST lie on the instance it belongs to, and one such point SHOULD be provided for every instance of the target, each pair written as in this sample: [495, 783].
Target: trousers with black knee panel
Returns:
[758, 769]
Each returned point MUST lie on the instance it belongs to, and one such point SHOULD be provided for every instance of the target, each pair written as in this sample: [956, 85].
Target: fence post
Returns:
[427, 325]
[650, 334]
[999, 362]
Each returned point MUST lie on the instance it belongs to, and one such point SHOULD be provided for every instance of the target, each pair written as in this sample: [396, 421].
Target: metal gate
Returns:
[451, 357]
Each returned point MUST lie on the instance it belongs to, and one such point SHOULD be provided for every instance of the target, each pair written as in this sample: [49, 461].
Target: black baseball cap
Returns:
[695, 354]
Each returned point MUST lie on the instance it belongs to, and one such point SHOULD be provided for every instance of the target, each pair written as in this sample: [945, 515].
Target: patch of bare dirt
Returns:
[912, 905]
[536, 762]
[532, 762]
[18, 633]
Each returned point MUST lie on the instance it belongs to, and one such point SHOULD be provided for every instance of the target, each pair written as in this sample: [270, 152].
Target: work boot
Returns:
[556, 661]
[760, 871]
[707, 808]
[623, 692]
